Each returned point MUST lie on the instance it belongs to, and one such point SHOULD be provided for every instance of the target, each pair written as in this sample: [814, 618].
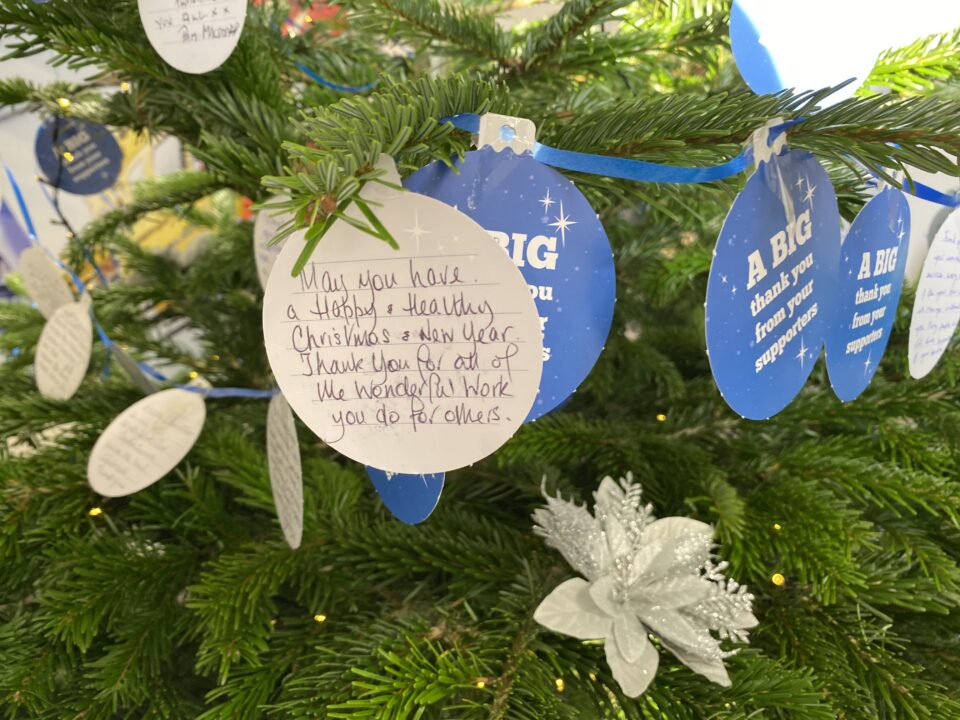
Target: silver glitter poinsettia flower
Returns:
[642, 576]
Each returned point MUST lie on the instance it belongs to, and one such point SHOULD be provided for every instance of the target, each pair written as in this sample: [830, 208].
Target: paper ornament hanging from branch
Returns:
[641, 576]
[936, 309]
[552, 234]
[421, 358]
[286, 475]
[772, 284]
[265, 227]
[77, 156]
[146, 441]
[63, 351]
[873, 259]
[410, 497]
[193, 37]
[770, 40]
[43, 281]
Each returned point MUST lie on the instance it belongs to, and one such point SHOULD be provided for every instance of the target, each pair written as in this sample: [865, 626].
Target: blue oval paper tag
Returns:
[771, 284]
[873, 259]
[555, 238]
[77, 156]
[752, 57]
[411, 498]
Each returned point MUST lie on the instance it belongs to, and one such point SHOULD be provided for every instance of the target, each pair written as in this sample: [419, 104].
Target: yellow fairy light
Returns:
[561, 686]
[215, 358]
[124, 86]
[69, 235]
[778, 579]
[307, 18]
[777, 527]
[320, 618]
[95, 511]
[68, 156]
[273, 622]
[661, 417]
[63, 102]
[194, 374]
[481, 684]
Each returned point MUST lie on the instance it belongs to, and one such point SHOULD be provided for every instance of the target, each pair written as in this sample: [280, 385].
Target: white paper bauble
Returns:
[286, 475]
[44, 281]
[145, 442]
[63, 351]
[193, 36]
[422, 359]
[936, 309]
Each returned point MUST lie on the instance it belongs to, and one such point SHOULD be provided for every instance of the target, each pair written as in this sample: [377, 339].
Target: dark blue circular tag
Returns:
[873, 258]
[553, 235]
[77, 156]
[411, 498]
[771, 284]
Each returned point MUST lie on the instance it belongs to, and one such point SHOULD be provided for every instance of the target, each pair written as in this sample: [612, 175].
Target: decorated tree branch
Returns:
[428, 266]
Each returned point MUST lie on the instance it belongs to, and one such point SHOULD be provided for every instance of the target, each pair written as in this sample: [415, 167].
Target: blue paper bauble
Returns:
[772, 284]
[873, 259]
[781, 44]
[78, 156]
[753, 59]
[555, 238]
[411, 498]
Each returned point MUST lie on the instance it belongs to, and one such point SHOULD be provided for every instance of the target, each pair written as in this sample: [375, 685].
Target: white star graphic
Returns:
[734, 290]
[562, 223]
[809, 194]
[416, 230]
[547, 201]
[901, 234]
[802, 355]
[800, 184]
[867, 364]
[723, 279]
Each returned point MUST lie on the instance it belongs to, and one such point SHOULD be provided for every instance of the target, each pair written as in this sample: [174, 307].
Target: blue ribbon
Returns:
[335, 86]
[226, 392]
[623, 168]
[641, 171]
[925, 192]
[27, 220]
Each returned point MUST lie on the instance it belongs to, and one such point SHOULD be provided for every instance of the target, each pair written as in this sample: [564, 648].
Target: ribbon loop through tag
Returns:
[763, 147]
[503, 131]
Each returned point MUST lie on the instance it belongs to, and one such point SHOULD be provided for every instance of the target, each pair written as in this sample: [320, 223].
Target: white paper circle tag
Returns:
[286, 476]
[264, 228]
[193, 37]
[422, 359]
[145, 442]
[936, 310]
[63, 351]
[43, 281]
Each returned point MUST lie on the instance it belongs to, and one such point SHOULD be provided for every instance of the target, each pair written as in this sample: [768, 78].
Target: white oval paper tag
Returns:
[936, 309]
[264, 228]
[145, 442]
[194, 36]
[422, 359]
[286, 476]
[43, 281]
[63, 351]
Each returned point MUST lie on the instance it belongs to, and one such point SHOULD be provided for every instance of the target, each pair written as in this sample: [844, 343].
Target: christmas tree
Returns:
[184, 600]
